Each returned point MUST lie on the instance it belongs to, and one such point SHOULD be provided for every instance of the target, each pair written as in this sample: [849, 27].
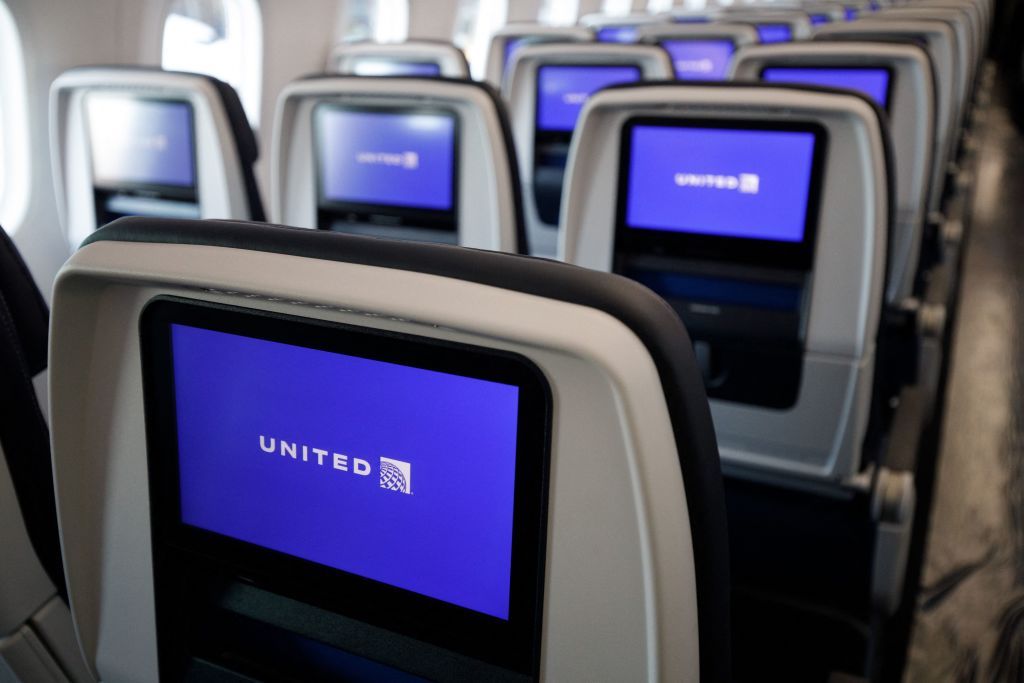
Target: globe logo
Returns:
[395, 475]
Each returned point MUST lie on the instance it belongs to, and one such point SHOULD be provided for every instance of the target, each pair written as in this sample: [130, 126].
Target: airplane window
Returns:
[14, 157]
[559, 12]
[475, 23]
[382, 21]
[221, 38]
[616, 8]
[658, 6]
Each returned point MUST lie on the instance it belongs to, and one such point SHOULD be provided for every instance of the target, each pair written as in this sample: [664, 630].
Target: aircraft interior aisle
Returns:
[969, 624]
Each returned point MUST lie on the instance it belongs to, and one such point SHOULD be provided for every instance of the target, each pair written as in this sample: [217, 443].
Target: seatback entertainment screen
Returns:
[873, 82]
[395, 67]
[406, 474]
[511, 45]
[387, 160]
[617, 34]
[721, 186]
[562, 90]
[138, 142]
[701, 60]
[774, 33]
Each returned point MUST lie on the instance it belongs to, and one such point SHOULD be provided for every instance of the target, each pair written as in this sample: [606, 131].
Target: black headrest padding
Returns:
[245, 139]
[504, 121]
[653, 321]
[29, 314]
[24, 435]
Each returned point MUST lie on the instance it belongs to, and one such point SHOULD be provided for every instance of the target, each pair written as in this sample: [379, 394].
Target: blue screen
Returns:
[617, 34]
[563, 90]
[141, 141]
[712, 181]
[872, 82]
[774, 33]
[851, 13]
[395, 67]
[706, 60]
[392, 159]
[397, 474]
[511, 45]
[820, 19]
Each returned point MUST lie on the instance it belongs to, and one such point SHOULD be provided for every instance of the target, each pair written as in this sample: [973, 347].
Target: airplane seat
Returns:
[621, 28]
[324, 455]
[36, 636]
[773, 25]
[937, 39]
[427, 58]
[785, 313]
[129, 140]
[699, 51]
[965, 51]
[874, 69]
[427, 159]
[508, 39]
[824, 12]
[547, 88]
[809, 285]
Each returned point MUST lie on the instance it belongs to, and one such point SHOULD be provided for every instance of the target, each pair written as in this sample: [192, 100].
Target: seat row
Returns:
[805, 327]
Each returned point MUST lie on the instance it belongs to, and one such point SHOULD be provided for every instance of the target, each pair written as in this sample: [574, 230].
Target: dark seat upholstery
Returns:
[24, 435]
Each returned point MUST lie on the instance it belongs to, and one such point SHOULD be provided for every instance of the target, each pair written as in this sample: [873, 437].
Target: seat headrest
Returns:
[618, 213]
[445, 292]
[411, 58]
[874, 69]
[222, 182]
[487, 192]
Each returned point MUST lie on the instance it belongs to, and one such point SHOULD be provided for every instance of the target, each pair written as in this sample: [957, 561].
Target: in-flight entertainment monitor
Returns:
[388, 163]
[820, 19]
[143, 155]
[141, 142]
[871, 81]
[704, 189]
[563, 89]
[774, 33]
[511, 45]
[617, 34]
[390, 478]
[395, 67]
[702, 60]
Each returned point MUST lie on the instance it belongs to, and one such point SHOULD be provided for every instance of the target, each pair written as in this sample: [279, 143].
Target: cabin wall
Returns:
[57, 35]
[523, 10]
[431, 19]
[296, 41]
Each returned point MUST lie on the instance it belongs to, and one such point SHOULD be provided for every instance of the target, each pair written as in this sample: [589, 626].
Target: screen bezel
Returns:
[762, 253]
[888, 69]
[560, 133]
[513, 643]
[183, 192]
[387, 214]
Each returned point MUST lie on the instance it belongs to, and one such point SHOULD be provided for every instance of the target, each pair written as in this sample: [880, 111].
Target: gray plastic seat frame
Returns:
[817, 443]
[911, 117]
[654, 64]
